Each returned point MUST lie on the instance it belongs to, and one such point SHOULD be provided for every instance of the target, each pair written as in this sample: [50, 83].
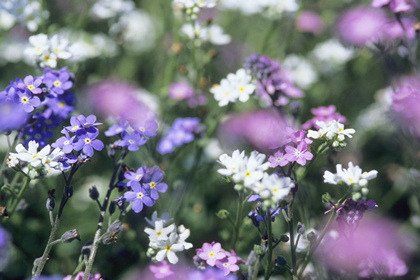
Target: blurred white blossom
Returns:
[331, 54]
[300, 71]
[104, 9]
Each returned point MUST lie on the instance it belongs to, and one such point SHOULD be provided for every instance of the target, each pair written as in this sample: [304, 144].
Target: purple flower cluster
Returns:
[324, 114]
[215, 256]
[351, 212]
[144, 185]
[396, 6]
[36, 105]
[80, 136]
[135, 133]
[272, 83]
[183, 91]
[183, 131]
[297, 150]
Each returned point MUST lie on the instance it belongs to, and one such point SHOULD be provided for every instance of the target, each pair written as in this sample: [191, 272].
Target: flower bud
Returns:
[93, 193]
[70, 235]
[284, 238]
[111, 208]
[223, 214]
[258, 250]
[311, 236]
[50, 204]
[86, 248]
[68, 191]
[300, 228]
[280, 262]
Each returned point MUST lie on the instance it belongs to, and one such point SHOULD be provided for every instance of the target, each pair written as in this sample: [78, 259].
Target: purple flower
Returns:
[58, 81]
[300, 154]
[4, 248]
[61, 105]
[134, 176]
[260, 66]
[385, 264]
[31, 84]
[146, 127]
[228, 265]
[138, 196]
[65, 143]
[210, 273]
[361, 25]
[12, 115]
[27, 101]
[89, 123]
[131, 140]
[162, 270]
[117, 128]
[324, 114]
[300, 136]
[278, 159]
[180, 91]
[397, 6]
[81, 274]
[152, 181]
[76, 125]
[88, 143]
[309, 21]
[181, 132]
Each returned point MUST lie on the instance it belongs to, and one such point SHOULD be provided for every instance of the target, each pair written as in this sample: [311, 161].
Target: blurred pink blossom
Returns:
[262, 129]
[397, 6]
[309, 21]
[361, 25]
[376, 247]
[180, 91]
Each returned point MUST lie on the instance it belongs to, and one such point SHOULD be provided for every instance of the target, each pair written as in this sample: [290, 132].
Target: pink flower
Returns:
[162, 270]
[324, 114]
[180, 91]
[228, 265]
[278, 159]
[361, 25]
[81, 274]
[300, 154]
[211, 253]
[310, 22]
[397, 6]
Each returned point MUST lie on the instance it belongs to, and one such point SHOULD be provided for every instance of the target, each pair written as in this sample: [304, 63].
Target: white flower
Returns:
[165, 218]
[33, 15]
[183, 234]
[330, 130]
[352, 176]
[301, 71]
[168, 248]
[105, 9]
[39, 45]
[159, 233]
[59, 46]
[51, 161]
[331, 54]
[216, 35]
[273, 188]
[225, 92]
[231, 163]
[32, 156]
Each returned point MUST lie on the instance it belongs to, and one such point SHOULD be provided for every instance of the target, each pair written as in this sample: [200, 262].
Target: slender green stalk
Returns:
[269, 266]
[40, 263]
[19, 196]
[238, 220]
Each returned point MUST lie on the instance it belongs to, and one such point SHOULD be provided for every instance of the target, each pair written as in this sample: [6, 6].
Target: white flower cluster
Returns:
[238, 86]
[36, 163]
[249, 172]
[353, 177]
[105, 9]
[331, 55]
[192, 7]
[22, 11]
[165, 239]
[47, 51]
[200, 33]
[332, 131]
[266, 7]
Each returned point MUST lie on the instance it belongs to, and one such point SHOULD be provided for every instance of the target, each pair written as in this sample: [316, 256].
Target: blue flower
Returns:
[138, 196]
[88, 143]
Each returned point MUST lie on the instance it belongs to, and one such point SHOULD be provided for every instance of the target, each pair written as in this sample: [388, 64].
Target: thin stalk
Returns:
[292, 236]
[316, 244]
[40, 263]
[104, 206]
[19, 196]
[238, 220]
[269, 266]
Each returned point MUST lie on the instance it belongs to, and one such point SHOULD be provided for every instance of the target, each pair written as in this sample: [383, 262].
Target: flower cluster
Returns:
[182, 131]
[397, 6]
[213, 255]
[203, 32]
[234, 87]
[273, 84]
[332, 131]
[36, 163]
[183, 91]
[297, 150]
[323, 114]
[46, 52]
[192, 7]
[36, 105]
[81, 274]
[80, 136]
[134, 133]
[352, 177]
[351, 212]
[145, 185]
[249, 172]
[166, 239]
[30, 13]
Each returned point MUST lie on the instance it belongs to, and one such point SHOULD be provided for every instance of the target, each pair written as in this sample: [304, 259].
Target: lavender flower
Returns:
[152, 181]
[88, 142]
[139, 196]
[323, 114]
[58, 81]
[12, 115]
[27, 101]
[32, 84]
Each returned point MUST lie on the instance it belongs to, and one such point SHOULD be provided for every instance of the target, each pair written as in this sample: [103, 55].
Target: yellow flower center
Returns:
[57, 83]
[168, 248]
[61, 104]
[24, 100]
[152, 185]
[241, 89]
[211, 255]
[158, 233]
[140, 195]
[88, 141]
[30, 87]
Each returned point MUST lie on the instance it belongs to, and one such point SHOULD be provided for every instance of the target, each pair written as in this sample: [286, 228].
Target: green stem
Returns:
[316, 244]
[238, 219]
[39, 266]
[19, 196]
[270, 247]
